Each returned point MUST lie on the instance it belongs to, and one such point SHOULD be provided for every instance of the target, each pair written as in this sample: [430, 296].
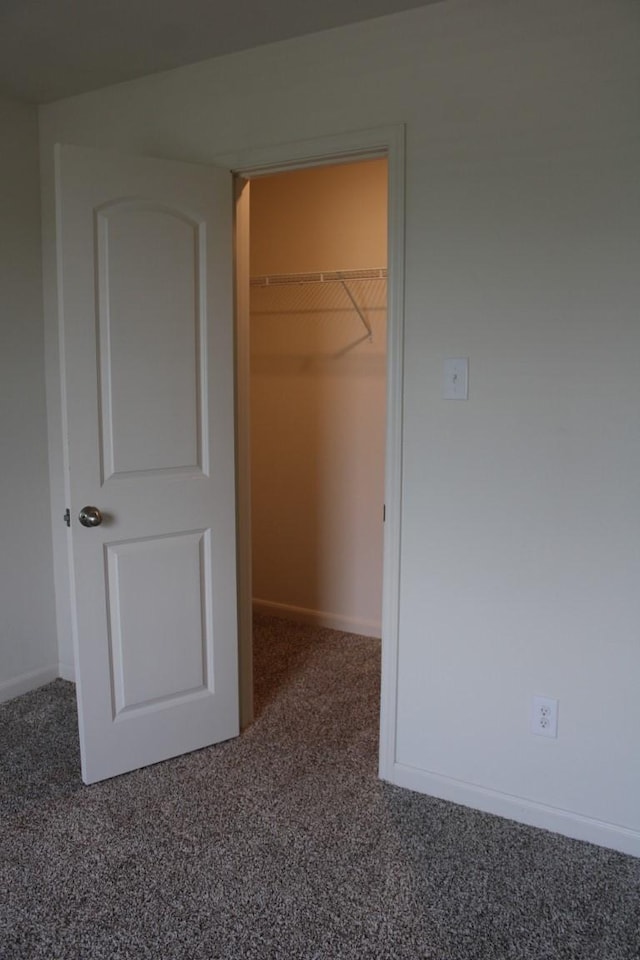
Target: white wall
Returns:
[520, 558]
[28, 654]
[318, 397]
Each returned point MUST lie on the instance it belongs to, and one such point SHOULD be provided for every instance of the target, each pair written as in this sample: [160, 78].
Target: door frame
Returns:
[389, 142]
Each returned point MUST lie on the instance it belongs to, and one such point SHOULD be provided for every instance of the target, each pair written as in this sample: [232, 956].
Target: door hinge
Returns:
[384, 512]
[67, 517]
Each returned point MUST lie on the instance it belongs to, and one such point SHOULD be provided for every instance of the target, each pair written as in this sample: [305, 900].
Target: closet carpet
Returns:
[282, 843]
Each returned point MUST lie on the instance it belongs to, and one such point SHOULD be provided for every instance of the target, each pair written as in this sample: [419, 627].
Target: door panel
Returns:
[155, 595]
[145, 268]
[151, 324]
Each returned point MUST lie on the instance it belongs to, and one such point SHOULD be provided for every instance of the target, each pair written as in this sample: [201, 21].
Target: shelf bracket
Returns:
[358, 310]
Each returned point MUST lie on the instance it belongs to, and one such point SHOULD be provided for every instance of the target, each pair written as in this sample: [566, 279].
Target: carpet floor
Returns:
[283, 843]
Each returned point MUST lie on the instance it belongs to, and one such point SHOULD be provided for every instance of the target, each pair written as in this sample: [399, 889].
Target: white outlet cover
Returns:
[544, 717]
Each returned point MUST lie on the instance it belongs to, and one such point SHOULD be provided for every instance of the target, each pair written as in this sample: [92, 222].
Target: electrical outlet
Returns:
[544, 717]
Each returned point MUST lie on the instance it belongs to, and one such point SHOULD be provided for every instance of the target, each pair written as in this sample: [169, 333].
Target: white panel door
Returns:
[145, 274]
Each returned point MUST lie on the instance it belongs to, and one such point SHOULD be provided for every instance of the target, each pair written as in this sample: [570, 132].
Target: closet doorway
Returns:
[316, 405]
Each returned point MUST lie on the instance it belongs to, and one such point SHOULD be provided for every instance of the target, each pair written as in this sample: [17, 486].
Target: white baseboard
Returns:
[66, 671]
[534, 814]
[319, 618]
[26, 682]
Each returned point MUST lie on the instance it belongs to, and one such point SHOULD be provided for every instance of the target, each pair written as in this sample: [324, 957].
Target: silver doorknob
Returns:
[90, 517]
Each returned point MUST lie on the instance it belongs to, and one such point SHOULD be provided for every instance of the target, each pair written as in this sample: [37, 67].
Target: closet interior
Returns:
[318, 311]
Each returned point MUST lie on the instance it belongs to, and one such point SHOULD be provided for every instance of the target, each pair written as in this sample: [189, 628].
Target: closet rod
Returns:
[333, 276]
[328, 276]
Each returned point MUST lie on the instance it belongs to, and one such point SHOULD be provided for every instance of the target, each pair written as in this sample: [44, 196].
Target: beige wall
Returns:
[28, 652]
[318, 397]
[520, 562]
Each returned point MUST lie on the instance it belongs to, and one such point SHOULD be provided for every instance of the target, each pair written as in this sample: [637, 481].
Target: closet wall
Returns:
[318, 396]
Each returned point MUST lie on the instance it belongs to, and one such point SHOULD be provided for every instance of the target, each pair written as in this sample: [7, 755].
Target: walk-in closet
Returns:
[318, 299]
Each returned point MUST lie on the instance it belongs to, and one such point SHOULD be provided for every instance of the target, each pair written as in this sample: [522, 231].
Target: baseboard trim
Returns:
[534, 814]
[318, 618]
[26, 682]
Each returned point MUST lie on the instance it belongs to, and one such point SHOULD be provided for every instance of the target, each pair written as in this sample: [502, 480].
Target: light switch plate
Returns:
[456, 378]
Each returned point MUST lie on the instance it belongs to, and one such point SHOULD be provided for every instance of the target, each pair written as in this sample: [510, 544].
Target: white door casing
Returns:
[146, 303]
[386, 141]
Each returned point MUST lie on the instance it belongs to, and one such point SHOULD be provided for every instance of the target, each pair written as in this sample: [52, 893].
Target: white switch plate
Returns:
[456, 378]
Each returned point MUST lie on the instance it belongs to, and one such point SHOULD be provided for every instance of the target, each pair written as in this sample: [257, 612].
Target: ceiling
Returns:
[51, 49]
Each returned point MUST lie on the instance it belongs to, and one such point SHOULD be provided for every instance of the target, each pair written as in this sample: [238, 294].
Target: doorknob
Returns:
[90, 517]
